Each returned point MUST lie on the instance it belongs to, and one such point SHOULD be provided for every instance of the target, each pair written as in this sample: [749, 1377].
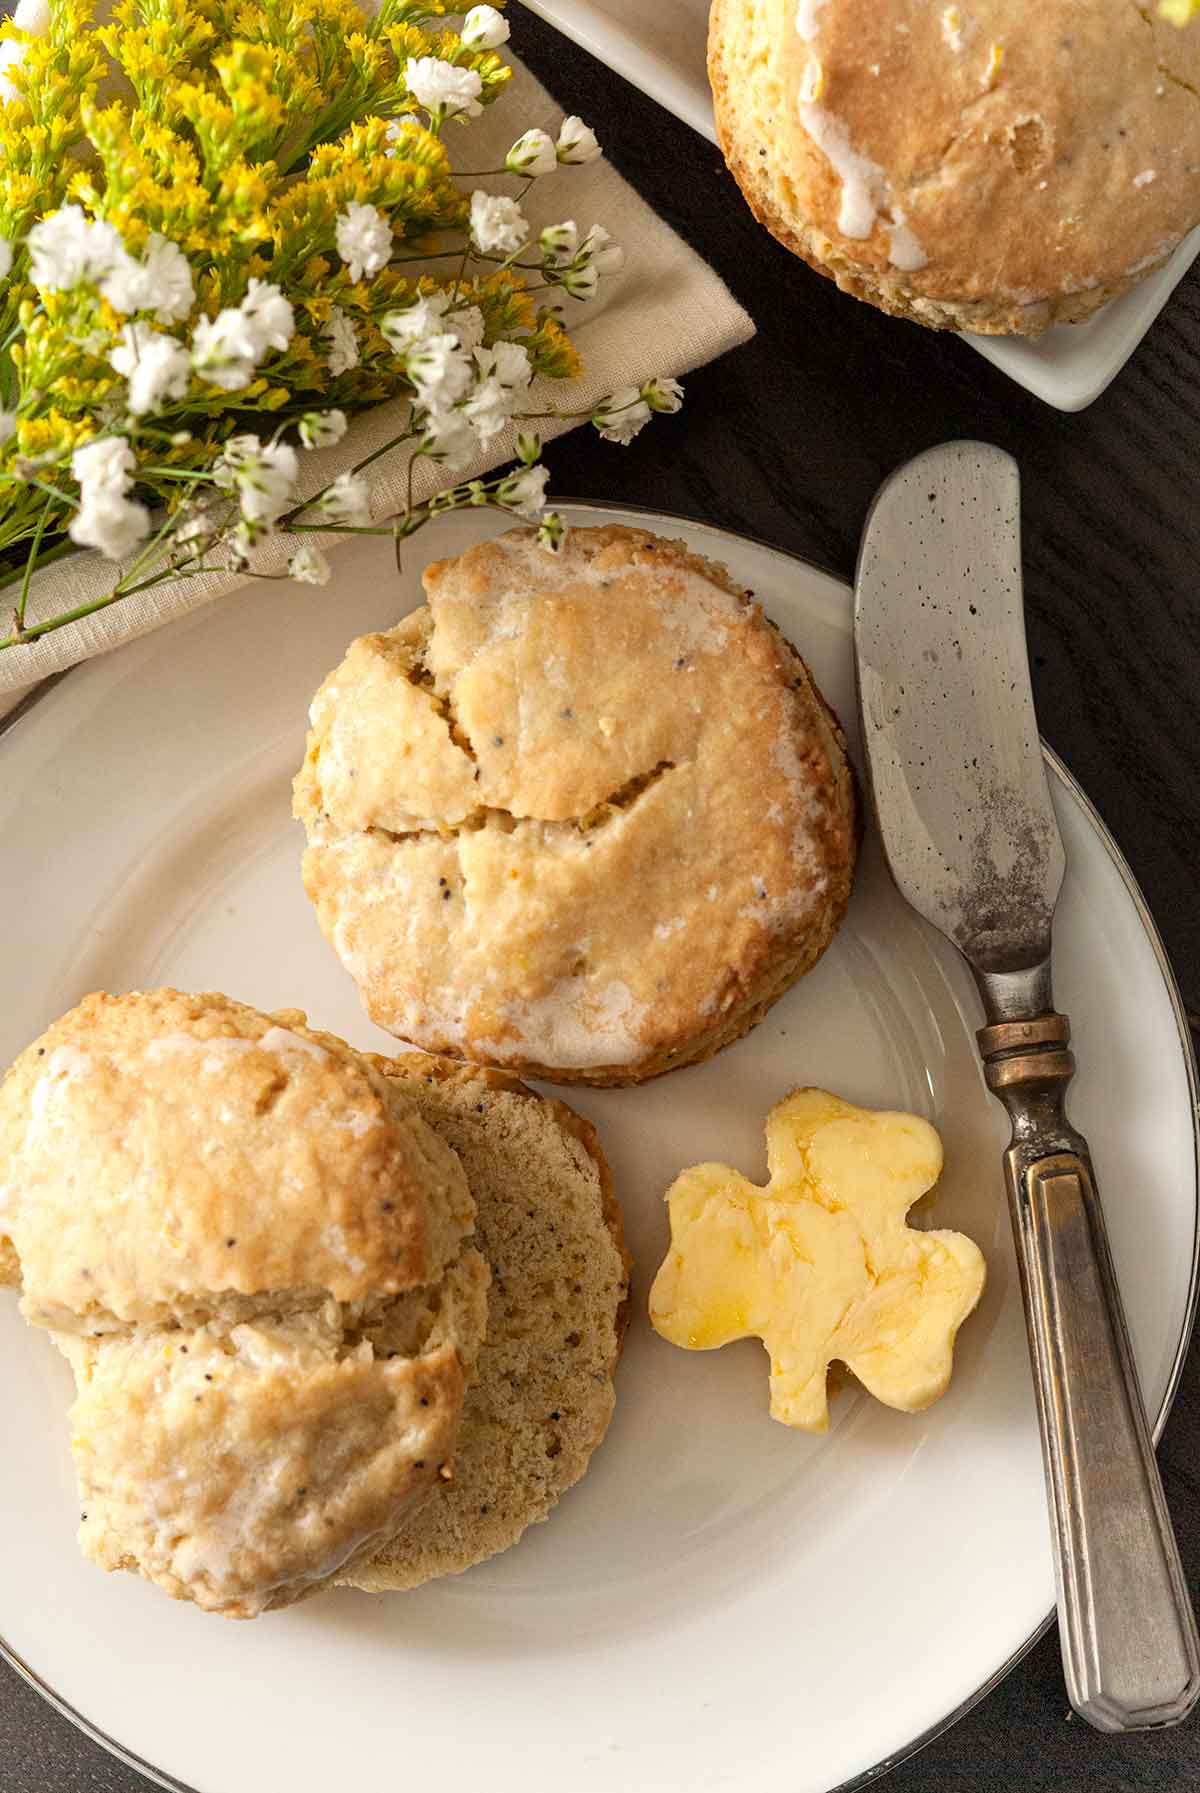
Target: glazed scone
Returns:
[251, 1249]
[549, 1226]
[583, 815]
[987, 166]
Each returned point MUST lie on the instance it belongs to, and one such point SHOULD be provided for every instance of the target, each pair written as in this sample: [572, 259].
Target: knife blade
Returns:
[956, 763]
[969, 833]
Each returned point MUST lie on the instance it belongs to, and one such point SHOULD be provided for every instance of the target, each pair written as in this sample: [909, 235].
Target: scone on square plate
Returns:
[584, 815]
[988, 165]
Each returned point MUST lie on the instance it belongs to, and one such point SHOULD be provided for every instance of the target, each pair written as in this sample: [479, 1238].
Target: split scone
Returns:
[542, 1396]
[583, 815]
[989, 166]
[250, 1247]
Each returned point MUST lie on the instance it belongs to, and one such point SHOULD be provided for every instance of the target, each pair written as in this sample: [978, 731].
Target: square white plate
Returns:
[660, 47]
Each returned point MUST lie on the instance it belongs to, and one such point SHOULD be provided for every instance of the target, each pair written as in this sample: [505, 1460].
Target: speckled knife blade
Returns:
[947, 709]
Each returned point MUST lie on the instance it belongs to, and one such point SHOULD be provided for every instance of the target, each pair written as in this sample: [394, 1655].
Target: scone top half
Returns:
[171, 1156]
[988, 165]
[584, 815]
[251, 1249]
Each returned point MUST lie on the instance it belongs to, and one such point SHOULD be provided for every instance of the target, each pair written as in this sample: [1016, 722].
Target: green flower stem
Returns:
[334, 529]
[30, 563]
[59, 622]
[378, 453]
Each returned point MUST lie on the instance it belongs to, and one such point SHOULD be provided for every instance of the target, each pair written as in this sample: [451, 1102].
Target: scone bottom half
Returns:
[583, 816]
[255, 1255]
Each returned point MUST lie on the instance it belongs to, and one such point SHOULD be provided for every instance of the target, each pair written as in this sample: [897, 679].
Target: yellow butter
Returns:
[821, 1265]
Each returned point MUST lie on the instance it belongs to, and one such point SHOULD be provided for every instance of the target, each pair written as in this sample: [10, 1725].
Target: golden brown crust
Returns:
[664, 816]
[1038, 163]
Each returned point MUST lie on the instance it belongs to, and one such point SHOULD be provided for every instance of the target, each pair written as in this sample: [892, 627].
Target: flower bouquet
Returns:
[225, 229]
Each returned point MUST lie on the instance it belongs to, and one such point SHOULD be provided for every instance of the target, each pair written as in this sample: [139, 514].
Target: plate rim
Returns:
[1055, 765]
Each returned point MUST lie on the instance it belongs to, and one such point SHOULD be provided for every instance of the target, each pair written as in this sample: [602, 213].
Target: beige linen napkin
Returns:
[665, 312]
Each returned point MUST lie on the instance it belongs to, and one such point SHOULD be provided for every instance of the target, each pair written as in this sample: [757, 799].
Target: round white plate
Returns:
[722, 1603]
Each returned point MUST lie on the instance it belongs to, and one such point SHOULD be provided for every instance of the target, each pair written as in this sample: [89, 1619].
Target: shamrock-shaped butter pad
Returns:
[821, 1265]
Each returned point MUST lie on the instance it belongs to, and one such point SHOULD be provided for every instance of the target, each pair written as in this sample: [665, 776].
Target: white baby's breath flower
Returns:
[161, 283]
[603, 254]
[6, 258]
[579, 271]
[525, 492]
[32, 16]
[440, 372]
[263, 475]
[154, 364]
[484, 29]
[364, 239]
[442, 89]
[507, 362]
[343, 343]
[401, 329]
[225, 349]
[663, 394]
[466, 322]
[551, 532]
[498, 225]
[309, 565]
[111, 522]
[197, 529]
[489, 409]
[505, 373]
[68, 247]
[12, 55]
[8, 425]
[580, 279]
[532, 154]
[559, 243]
[321, 429]
[576, 142]
[449, 440]
[621, 415]
[269, 315]
[104, 465]
[347, 500]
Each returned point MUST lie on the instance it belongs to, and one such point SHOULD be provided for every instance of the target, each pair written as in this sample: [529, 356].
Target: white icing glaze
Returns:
[862, 180]
[807, 22]
[958, 28]
[905, 251]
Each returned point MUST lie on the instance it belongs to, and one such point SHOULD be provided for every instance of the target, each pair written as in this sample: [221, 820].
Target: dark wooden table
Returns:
[787, 439]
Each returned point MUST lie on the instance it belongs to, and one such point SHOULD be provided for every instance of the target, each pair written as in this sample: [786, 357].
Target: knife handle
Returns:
[1131, 1658]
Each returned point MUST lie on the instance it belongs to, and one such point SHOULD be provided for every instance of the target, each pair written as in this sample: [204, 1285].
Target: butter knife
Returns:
[964, 813]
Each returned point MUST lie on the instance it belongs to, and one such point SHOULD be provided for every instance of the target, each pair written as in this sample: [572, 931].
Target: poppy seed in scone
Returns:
[253, 1252]
[623, 777]
[987, 165]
